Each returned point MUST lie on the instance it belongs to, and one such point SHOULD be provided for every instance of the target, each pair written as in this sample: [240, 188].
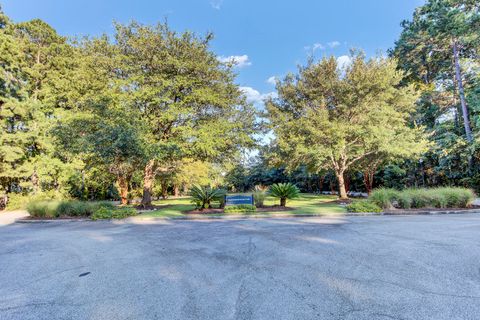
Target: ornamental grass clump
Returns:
[418, 198]
[259, 195]
[65, 208]
[284, 191]
[384, 197]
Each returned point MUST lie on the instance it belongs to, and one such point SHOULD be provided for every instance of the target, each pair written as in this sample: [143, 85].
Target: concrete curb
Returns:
[257, 216]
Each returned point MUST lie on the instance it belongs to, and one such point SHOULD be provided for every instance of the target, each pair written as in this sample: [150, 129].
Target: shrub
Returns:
[444, 197]
[284, 191]
[202, 197]
[259, 198]
[363, 206]
[20, 201]
[457, 197]
[384, 197]
[240, 208]
[404, 200]
[113, 213]
[43, 209]
[73, 208]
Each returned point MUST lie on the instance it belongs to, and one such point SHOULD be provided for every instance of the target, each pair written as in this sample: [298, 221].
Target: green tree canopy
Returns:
[333, 118]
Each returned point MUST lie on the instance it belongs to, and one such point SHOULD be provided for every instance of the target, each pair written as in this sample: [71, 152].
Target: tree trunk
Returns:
[461, 93]
[283, 202]
[122, 182]
[164, 189]
[148, 180]
[341, 185]
[320, 184]
[347, 182]
[35, 181]
[368, 180]
[176, 191]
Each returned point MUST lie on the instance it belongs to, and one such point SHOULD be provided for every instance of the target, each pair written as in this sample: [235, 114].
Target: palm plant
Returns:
[284, 191]
[203, 196]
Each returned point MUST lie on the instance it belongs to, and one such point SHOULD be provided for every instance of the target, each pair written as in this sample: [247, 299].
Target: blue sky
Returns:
[270, 38]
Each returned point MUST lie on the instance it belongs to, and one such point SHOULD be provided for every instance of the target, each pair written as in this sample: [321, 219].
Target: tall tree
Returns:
[433, 44]
[333, 118]
[187, 100]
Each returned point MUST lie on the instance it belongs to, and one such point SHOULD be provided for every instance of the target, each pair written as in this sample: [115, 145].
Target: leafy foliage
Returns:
[384, 197]
[284, 191]
[59, 208]
[447, 197]
[259, 198]
[203, 197]
[363, 206]
[113, 213]
[328, 118]
[240, 208]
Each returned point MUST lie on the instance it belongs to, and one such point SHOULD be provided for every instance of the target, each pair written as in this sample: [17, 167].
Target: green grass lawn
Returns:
[305, 204]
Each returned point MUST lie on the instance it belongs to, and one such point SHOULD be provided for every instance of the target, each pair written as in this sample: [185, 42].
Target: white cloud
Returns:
[272, 80]
[238, 61]
[216, 4]
[317, 46]
[343, 62]
[333, 44]
[255, 97]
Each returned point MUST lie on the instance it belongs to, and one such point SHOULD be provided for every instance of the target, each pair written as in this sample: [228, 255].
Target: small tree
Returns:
[284, 191]
[202, 197]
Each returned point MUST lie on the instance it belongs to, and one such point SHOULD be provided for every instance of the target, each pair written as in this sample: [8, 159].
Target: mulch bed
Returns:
[220, 211]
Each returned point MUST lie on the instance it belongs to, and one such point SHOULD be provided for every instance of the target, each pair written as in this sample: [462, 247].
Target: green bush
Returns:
[259, 198]
[404, 200]
[20, 201]
[384, 197]
[363, 206]
[203, 197]
[444, 197]
[113, 213]
[284, 191]
[240, 208]
[44, 209]
[73, 208]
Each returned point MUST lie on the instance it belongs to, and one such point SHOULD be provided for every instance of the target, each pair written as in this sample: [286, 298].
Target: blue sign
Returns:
[238, 199]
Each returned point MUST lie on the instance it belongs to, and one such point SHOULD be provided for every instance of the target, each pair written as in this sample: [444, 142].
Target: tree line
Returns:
[97, 117]
[150, 111]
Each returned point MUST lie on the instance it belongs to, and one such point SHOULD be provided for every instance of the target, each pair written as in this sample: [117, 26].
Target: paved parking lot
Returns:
[412, 267]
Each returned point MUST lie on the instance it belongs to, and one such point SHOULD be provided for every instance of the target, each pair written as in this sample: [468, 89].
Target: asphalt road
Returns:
[415, 267]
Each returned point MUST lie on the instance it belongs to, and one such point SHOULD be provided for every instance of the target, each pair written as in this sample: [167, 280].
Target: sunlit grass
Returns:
[305, 204]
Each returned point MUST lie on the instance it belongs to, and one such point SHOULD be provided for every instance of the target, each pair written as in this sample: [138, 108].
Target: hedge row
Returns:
[446, 197]
[241, 208]
[64, 208]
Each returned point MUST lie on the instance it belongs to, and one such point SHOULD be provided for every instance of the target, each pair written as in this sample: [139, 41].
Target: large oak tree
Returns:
[331, 117]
